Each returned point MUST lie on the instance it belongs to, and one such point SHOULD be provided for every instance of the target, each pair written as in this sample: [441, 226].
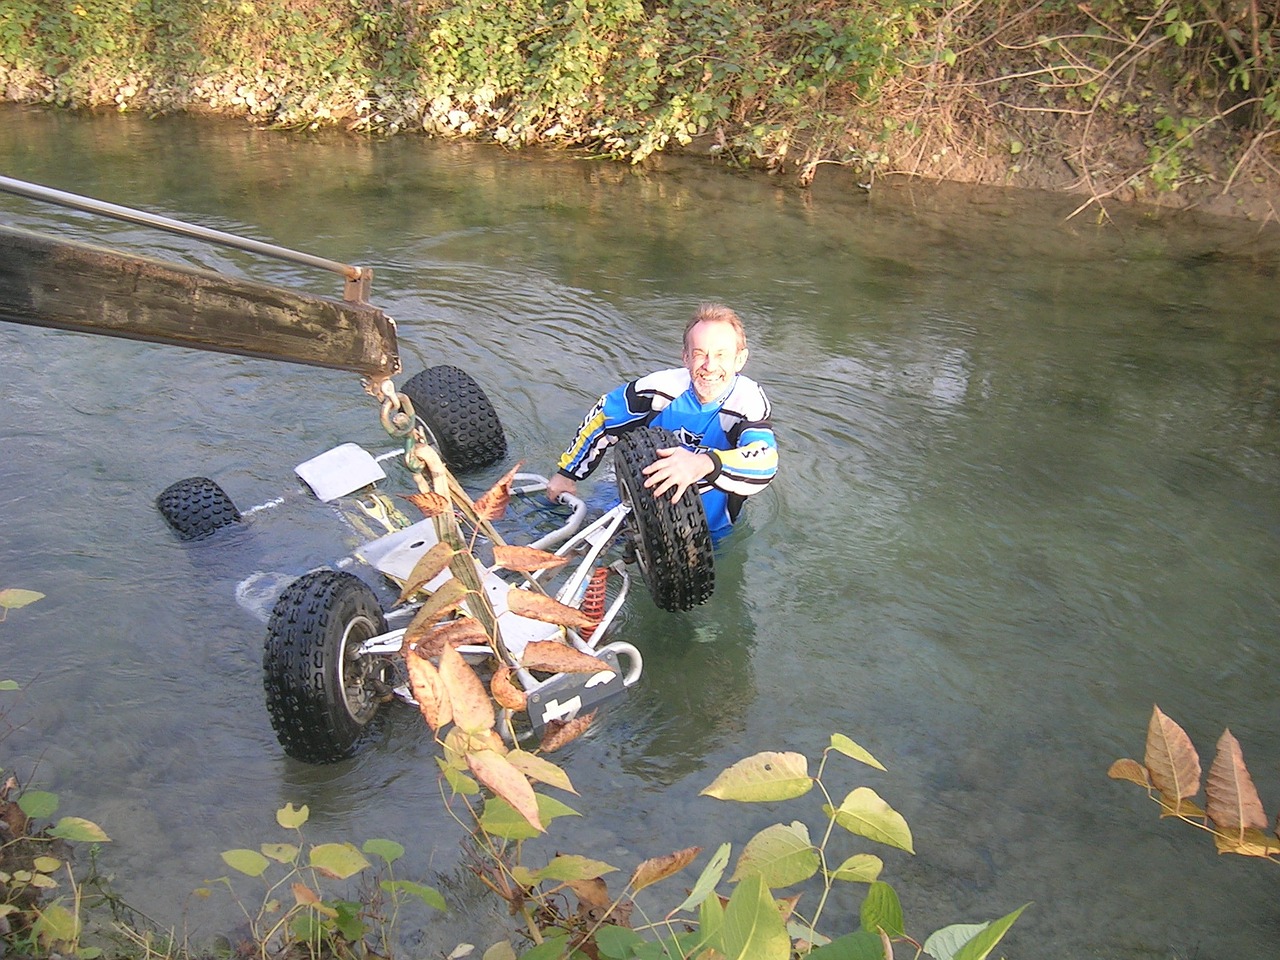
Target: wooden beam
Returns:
[76, 286]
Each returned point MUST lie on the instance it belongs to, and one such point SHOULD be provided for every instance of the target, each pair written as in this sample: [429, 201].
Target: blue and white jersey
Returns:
[734, 430]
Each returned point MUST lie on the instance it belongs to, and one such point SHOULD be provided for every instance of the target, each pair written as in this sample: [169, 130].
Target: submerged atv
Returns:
[332, 656]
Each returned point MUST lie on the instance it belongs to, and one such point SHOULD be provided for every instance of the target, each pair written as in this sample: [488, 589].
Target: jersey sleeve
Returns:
[750, 461]
[630, 405]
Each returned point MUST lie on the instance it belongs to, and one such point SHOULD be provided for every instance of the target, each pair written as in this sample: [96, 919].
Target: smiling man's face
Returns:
[713, 356]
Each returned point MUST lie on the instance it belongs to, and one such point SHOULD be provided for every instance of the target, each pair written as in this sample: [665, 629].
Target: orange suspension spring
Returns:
[594, 599]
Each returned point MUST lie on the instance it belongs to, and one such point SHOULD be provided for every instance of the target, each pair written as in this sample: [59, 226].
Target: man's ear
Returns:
[742, 360]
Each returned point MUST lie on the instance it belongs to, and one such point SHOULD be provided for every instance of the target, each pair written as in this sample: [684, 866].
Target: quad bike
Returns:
[333, 651]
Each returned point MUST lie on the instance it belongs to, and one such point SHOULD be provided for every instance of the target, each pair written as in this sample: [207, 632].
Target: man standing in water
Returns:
[727, 450]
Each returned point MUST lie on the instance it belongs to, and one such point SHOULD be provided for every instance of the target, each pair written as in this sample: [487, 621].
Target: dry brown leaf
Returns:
[552, 657]
[472, 708]
[1231, 800]
[562, 732]
[431, 504]
[439, 605]
[539, 768]
[1132, 770]
[493, 503]
[595, 906]
[429, 566]
[304, 894]
[592, 894]
[496, 772]
[538, 606]
[659, 868]
[429, 691]
[506, 693]
[1171, 758]
[525, 559]
[463, 631]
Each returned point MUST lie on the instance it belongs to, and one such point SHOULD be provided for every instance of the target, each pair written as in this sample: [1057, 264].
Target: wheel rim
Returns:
[631, 532]
[359, 676]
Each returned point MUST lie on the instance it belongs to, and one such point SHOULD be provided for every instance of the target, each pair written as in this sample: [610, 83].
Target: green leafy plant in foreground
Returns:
[1170, 773]
[40, 898]
[566, 906]
[293, 913]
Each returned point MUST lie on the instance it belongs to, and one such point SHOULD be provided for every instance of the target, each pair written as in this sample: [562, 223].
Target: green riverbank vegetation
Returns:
[1175, 102]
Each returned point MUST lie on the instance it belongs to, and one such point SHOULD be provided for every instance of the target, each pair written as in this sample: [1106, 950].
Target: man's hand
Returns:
[559, 484]
[676, 469]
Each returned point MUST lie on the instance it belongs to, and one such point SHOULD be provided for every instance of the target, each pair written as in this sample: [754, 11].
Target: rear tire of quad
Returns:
[320, 696]
[672, 542]
[459, 419]
[196, 508]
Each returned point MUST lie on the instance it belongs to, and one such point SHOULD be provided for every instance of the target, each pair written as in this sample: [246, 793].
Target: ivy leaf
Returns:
[781, 854]
[38, 804]
[568, 867]
[842, 744]
[860, 868]
[865, 814]
[11, 598]
[249, 862]
[388, 850]
[765, 776]
[291, 817]
[428, 895]
[985, 941]
[500, 818]
[79, 829]
[753, 927]
[708, 880]
[338, 860]
[882, 911]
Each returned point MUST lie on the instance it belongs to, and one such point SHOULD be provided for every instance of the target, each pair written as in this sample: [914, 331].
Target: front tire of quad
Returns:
[320, 696]
[196, 508]
[458, 418]
[671, 540]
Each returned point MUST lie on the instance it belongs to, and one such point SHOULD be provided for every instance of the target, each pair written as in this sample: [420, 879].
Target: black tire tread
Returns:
[673, 538]
[196, 508]
[459, 415]
[306, 707]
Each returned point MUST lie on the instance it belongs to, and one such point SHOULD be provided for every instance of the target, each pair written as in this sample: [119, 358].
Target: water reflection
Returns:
[1030, 486]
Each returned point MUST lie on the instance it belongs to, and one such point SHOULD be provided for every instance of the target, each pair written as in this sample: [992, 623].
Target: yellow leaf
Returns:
[766, 776]
[1249, 843]
[497, 773]
[537, 606]
[472, 708]
[659, 868]
[539, 768]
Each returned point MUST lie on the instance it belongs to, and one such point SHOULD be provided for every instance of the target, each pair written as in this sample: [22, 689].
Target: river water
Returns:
[1030, 487]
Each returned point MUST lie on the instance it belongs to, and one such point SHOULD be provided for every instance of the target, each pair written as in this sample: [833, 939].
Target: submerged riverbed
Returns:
[1030, 486]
